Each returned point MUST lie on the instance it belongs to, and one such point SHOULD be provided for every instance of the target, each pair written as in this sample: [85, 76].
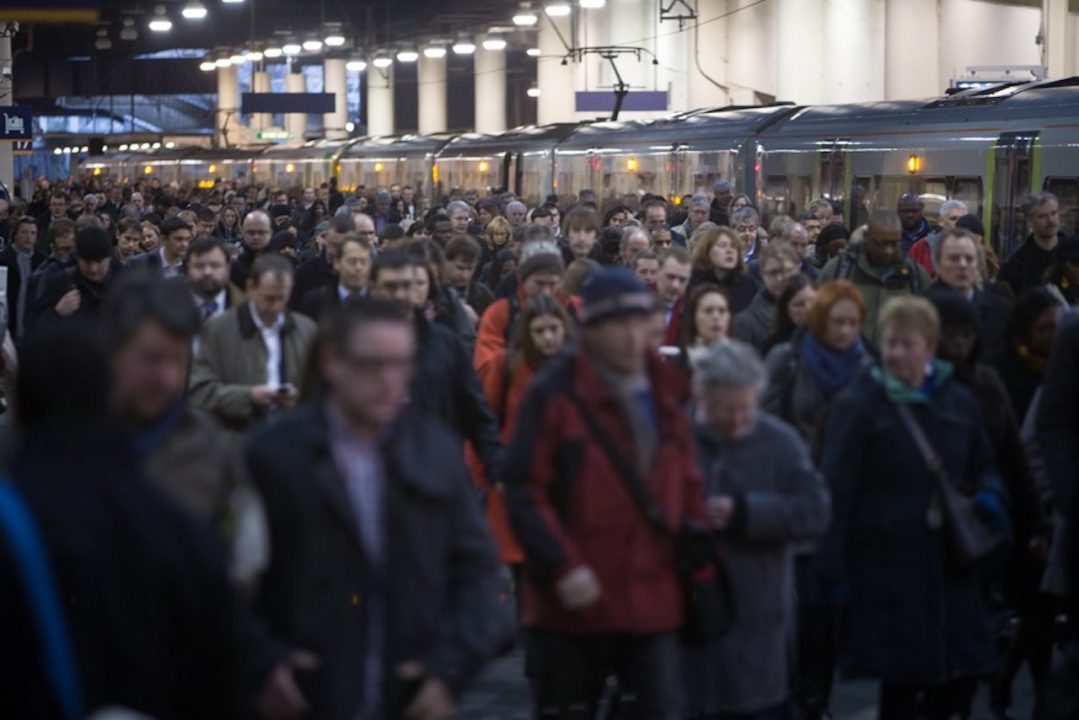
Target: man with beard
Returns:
[207, 265]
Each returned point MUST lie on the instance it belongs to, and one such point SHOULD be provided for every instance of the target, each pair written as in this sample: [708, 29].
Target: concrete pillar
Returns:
[296, 123]
[227, 117]
[556, 82]
[431, 86]
[800, 37]
[335, 80]
[909, 74]
[854, 51]
[1055, 37]
[380, 100]
[706, 50]
[260, 83]
[7, 157]
[490, 70]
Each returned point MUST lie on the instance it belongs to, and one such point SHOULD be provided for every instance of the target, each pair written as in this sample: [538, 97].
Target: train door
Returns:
[512, 173]
[1012, 173]
[832, 182]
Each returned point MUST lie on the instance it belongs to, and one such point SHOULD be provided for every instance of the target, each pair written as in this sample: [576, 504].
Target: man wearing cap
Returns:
[21, 258]
[80, 291]
[601, 593]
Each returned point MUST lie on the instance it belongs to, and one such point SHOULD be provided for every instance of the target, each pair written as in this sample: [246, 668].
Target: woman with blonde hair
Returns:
[717, 259]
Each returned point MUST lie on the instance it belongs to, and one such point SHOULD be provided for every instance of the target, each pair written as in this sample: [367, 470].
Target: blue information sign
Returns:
[16, 123]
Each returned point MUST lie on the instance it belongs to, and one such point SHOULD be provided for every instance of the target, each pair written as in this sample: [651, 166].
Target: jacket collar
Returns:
[247, 324]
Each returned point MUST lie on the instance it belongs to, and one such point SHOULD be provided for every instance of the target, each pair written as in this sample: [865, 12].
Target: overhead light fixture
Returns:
[350, 126]
[382, 61]
[170, 145]
[558, 9]
[58, 151]
[494, 43]
[160, 22]
[356, 65]
[292, 48]
[252, 55]
[194, 10]
[312, 45]
[592, 4]
[434, 52]
[128, 31]
[533, 52]
[525, 17]
[237, 59]
[223, 62]
[102, 42]
[272, 52]
[464, 46]
[408, 56]
[232, 2]
[207, 65]
[123, 148]
[533, 92]
[335, 40]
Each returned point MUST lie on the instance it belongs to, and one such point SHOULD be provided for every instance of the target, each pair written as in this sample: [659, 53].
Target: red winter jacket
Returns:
[570, 509]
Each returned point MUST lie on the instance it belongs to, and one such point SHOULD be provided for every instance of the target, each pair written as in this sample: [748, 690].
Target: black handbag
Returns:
[707, 599]
[971, 538]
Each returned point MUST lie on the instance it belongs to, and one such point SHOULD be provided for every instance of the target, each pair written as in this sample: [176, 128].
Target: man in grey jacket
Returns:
[763, 496]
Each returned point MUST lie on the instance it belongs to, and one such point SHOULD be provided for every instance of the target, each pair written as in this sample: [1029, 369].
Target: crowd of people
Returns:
[289, 453]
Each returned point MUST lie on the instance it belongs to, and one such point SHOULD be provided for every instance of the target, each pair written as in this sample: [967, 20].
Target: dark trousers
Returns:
[572, 676]
[1033, 643]
[815, 644]
[779, 712]
[913, 702]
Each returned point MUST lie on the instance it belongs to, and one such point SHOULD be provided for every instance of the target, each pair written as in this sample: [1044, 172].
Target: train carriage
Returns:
[384, 161]
[307, 165]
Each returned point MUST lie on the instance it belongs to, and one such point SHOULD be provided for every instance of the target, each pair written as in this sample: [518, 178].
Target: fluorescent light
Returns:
[350, 126]
[123, 148]
[533, 92]
[233, 2]
[494, 43]
[312, 45]
[382, 62]
[170, 145]
[533, 52]
[84, 149]
[237, 59]
[194, 10]
[222, 62]
[273, 52]
[253, 55]
[525, 18]
[335, 40]
[434, 52]
[207, 65]
[156, 146]
[558, 9]
[464, 47]
[160, 25]
[408, 56]
[58, 151]
[592, 4]
[292, 49]
[356, 65]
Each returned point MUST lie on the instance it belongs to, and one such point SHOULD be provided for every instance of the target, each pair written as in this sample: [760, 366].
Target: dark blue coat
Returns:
[913, 614]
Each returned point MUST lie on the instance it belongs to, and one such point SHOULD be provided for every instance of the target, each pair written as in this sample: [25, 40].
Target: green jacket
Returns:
[878, 285]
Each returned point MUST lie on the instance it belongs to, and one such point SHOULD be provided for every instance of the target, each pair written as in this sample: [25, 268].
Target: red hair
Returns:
[828, 295]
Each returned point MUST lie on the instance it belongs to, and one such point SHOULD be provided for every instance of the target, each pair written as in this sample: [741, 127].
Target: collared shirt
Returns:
[271, 336]
[360, 467]
[343, 293]
[211, 307]
[169, 271]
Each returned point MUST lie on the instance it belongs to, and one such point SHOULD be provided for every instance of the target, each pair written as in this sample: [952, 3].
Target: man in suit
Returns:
[21, 258]
[352, 266]
[380, 564]
[168, 260]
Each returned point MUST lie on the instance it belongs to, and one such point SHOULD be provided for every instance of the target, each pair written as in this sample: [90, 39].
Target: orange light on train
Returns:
[484, 166]
[434, 172]
[213, 168]
[337, 169]
[914, 164]
[290, 168]
[378, 167]
[631, 164]
[97, 171]
[148, 170]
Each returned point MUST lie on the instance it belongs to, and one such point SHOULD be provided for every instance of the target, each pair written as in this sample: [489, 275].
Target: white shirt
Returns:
[169, 271]
[271, 337]
[220, 299]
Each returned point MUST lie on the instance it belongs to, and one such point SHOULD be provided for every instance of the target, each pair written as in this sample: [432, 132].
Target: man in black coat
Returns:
[79, 291]
[380, 565]
[1026, 267]
[318, 272]
[21, 258]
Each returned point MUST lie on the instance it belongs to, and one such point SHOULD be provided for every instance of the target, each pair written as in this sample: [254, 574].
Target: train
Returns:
[990, 147]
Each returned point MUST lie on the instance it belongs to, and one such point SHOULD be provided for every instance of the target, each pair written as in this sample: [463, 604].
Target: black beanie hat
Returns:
[93, 243]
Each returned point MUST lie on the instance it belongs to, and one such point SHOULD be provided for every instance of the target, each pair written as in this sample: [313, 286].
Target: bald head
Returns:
[882, 238]
[256, 230]
[910, 208]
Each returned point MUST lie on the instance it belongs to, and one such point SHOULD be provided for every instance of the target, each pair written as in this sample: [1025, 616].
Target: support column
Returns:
[854, 50]
[296, 123]
[260, 83]
[380, 100]
[335, 80]
[911, 74]
[490, 70]
[556, 82]
[7, 156]
[628, 23]
[707, 53]
[799, 38]
[431, 88]
[1055, 37]
[227, 116]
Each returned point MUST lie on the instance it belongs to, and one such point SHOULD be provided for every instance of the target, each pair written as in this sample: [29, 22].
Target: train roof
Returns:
[530, 138]
[393, 147]
[321, 149]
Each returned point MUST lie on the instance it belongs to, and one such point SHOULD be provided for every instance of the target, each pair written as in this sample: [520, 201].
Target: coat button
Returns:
[356, 600]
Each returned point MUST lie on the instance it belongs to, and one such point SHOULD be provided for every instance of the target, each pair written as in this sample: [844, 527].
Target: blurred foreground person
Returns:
[382, 577]
[145, 602]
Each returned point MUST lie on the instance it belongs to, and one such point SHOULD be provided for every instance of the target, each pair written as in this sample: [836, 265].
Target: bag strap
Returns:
[629, 475]
[43, 598]
[932, 459]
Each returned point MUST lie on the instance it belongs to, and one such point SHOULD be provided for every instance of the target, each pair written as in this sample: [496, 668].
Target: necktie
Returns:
[209, 307]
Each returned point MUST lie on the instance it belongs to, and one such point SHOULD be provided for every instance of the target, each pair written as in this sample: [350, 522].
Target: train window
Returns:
[933, 191]
[861, 198]
[969, 190]
[1067, 191]
[891, 187]
[785, 195]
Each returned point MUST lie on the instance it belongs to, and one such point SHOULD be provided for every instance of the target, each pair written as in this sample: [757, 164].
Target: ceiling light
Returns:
[237, 59]
[207, 65]
[272, 52]
[145, 146]
[102, 42]
[434, 52]
[292, 48]
[128, 31]
[356, 65]
[67, 151]
[58, 151]
[170, 145]
[123, 148]
[558, 9]
[160, 25]
[350, 126]
[525, 17]
[494, 43]
[84, 149]
[382, 61]
[313, 45]
[222, 62]
[408, 56]
[533, 52]
[253, 55]
[335, 40]
[233, 2]
[464, 46]
[194, 10]
[592, 4]
[533, 92]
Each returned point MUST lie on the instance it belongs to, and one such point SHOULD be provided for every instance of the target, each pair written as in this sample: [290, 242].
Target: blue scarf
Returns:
[832, 370]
